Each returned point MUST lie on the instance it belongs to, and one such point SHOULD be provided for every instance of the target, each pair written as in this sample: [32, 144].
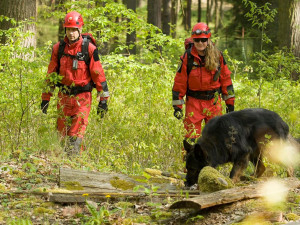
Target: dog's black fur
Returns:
[234, 137]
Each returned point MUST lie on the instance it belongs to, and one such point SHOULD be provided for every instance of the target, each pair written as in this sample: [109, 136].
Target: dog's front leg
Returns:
[238, 168]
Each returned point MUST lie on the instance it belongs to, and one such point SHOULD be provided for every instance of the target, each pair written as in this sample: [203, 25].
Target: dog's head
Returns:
[196, 159]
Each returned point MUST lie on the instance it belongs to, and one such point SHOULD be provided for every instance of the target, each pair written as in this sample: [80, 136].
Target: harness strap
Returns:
[85, 49]
[75, 90]
[61, 49]
[80, 56]
[204, 95]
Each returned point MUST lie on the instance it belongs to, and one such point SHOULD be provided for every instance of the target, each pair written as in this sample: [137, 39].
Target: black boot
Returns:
[73, 147]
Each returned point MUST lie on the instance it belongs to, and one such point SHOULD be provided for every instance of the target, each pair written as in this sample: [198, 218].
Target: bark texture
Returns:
[20, 10]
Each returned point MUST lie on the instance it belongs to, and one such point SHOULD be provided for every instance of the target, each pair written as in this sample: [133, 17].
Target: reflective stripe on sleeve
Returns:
[104, 94]
[178, 102]
[225, 97]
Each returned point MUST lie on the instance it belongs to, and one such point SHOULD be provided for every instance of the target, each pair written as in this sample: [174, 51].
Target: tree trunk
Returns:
[61, 29]
[139, 3]
[207, 11]
[186, 18]
[131, 35]
[295, 31]
[216, 16]
[166, 17]
[174, 10]
[184, 9]
[221, 15]
[19, 10]
[104, 46]
[189, 14]
[154, 12]
[211, 7]
[289, 32]
[199, 11]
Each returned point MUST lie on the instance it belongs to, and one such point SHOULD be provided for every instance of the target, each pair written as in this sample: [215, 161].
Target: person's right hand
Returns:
[229, 108]
[44, 106]
[178, 112]
[102, 108]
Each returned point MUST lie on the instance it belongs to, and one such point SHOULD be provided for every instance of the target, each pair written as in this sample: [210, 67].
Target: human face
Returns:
[72, 34]
[200, 45]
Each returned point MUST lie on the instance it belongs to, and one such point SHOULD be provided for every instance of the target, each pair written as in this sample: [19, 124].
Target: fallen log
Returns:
[83, 185]
[231, 195]
[90, 181]
[78, 197]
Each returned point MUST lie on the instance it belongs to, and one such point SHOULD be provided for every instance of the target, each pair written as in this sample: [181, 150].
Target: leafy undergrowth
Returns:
[24, 174]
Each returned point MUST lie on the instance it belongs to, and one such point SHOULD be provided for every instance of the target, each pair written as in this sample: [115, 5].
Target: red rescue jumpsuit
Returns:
[73, 110]
[200, 81]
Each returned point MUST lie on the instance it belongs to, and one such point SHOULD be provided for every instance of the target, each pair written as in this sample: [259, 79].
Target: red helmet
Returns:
[201, 30]
[73, 19]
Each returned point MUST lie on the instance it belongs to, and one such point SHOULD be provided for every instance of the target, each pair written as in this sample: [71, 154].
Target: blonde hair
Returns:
[212, 56]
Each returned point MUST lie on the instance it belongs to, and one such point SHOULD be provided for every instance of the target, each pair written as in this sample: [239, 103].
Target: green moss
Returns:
[2, 187]
[40, 190]
[292, 216]
[128, 221]
[142, 219]
[18, 173]
[159, 180]
[73, 185]
[47, 204]
[211, 180]
[121, 184]
[255, 204]
[124, 205]
[42, 210]
[140, 179]
[2, 216]
[25, 202]
[161, 215]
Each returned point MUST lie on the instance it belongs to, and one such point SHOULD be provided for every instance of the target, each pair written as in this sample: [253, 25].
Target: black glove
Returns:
[102, 108]
[44, 106]
[229, 108]
[178, 112]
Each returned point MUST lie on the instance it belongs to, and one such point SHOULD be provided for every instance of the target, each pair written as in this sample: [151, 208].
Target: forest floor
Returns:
[23, 176]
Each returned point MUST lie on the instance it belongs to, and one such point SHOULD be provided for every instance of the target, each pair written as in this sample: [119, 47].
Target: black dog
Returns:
[235, 137]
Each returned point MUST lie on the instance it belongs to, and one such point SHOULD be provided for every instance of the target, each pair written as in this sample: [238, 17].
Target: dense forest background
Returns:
[140, 43]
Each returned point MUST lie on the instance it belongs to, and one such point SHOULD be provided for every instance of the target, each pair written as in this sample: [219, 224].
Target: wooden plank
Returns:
[229, 195]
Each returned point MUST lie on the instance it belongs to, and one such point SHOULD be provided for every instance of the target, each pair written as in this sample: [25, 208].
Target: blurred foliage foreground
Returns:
[139, 129]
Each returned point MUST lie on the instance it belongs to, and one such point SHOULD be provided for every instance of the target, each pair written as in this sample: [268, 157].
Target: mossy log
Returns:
[229, 195]
[89, 181]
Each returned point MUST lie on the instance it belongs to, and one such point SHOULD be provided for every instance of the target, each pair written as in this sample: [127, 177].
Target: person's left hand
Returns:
[44, 106]
[229, 108]
[102, 108]
[178, 112]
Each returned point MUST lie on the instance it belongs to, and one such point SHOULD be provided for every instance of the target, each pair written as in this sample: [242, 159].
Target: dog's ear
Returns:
[199, 152]
[187, 146]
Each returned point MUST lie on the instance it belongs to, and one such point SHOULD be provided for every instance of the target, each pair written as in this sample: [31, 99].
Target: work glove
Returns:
[178, 112]
[229, 108]
[102, 108]
[44, 106]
